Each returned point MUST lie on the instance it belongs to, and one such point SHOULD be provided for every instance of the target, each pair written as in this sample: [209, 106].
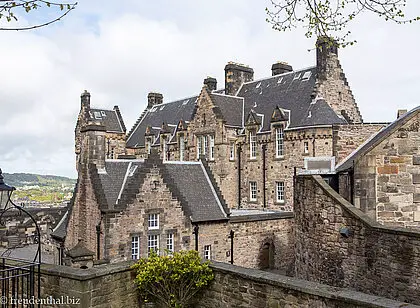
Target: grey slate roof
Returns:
[60, 230]
[231, 108]
[115, 178]
[195, 186]
[108, 118]
[317, 113]
[375, 140]
[289, 91]
[169, 113]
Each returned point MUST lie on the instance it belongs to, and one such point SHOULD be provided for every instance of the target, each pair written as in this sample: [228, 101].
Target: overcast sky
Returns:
[121, 50]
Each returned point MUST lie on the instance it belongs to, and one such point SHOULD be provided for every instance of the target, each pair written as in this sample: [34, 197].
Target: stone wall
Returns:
[387, 177]
[112, 286]
[337, 244]
[348, 137]
[105, 286]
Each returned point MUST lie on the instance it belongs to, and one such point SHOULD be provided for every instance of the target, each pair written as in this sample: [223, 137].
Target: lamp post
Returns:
[6, 204]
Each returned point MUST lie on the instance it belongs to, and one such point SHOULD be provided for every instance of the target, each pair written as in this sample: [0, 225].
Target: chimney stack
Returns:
[325, 46]
[211, 83]
[235, 75]
[154, 98]
[85, 99]
[280, 68]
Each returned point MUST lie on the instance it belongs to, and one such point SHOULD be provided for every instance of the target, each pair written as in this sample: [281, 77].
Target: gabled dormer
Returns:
[252, 125]
[279, 121]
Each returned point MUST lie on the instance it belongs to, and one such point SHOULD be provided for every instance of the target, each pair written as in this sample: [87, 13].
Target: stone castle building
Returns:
[224, 161]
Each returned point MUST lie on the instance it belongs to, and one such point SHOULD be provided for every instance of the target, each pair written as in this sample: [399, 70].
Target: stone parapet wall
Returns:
[108, 285]
[367, 256]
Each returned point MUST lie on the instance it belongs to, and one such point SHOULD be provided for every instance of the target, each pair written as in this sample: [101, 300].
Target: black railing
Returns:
[19, 280]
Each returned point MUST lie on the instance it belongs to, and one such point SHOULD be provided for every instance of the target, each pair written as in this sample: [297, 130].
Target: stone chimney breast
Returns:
[154, 98]
[235, 75]
[280, 68]
[211, 83]
[85, 99]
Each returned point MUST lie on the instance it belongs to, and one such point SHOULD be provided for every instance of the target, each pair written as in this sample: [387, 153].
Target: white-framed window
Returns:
[153, 221]
[306, 147]
[135, 247]
[181, 148]
[280, 192]
[152, 243]
[165, 149]
[252, 191]
[279, 141]
[207, 252]
[198, 146]
[252, 144]
[205, 145]
[148, 145]
[232, 150]
[211, 150]
[170, 242]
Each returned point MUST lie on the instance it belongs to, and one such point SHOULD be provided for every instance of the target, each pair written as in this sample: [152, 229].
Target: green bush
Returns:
[172, 280]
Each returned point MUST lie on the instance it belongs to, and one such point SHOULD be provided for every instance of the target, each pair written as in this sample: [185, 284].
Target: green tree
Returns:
[172, 280]
[10, 9]
[329, 18]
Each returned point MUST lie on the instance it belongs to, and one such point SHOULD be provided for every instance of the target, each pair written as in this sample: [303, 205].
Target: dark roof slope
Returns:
[114, 178]
[376, 139]
[109, 118]
[317, 113]
[231, 108]
[291, 91]
[194, 184]
[169, 113]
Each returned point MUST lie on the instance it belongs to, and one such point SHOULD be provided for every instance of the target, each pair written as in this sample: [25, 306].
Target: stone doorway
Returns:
[267, 256]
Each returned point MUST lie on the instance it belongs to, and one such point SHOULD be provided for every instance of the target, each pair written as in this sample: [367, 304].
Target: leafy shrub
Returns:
[172, 280]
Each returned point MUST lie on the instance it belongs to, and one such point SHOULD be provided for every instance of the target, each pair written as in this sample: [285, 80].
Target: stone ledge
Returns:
[85, 274]
[308, 287]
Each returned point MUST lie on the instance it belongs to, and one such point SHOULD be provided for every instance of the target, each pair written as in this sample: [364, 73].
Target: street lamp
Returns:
[5, 193]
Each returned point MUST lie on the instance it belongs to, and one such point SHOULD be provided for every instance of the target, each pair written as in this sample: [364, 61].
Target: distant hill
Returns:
[28, 179]
[36, 189]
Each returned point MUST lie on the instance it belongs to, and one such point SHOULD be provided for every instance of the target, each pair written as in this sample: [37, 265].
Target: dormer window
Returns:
[148, 145]
[165, 149]
[279, 141]
[252, 144]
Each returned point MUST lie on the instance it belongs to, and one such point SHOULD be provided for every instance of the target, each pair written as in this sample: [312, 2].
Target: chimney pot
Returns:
[280, 68]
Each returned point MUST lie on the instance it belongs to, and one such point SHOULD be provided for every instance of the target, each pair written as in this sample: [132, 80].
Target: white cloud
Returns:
[120, 51]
